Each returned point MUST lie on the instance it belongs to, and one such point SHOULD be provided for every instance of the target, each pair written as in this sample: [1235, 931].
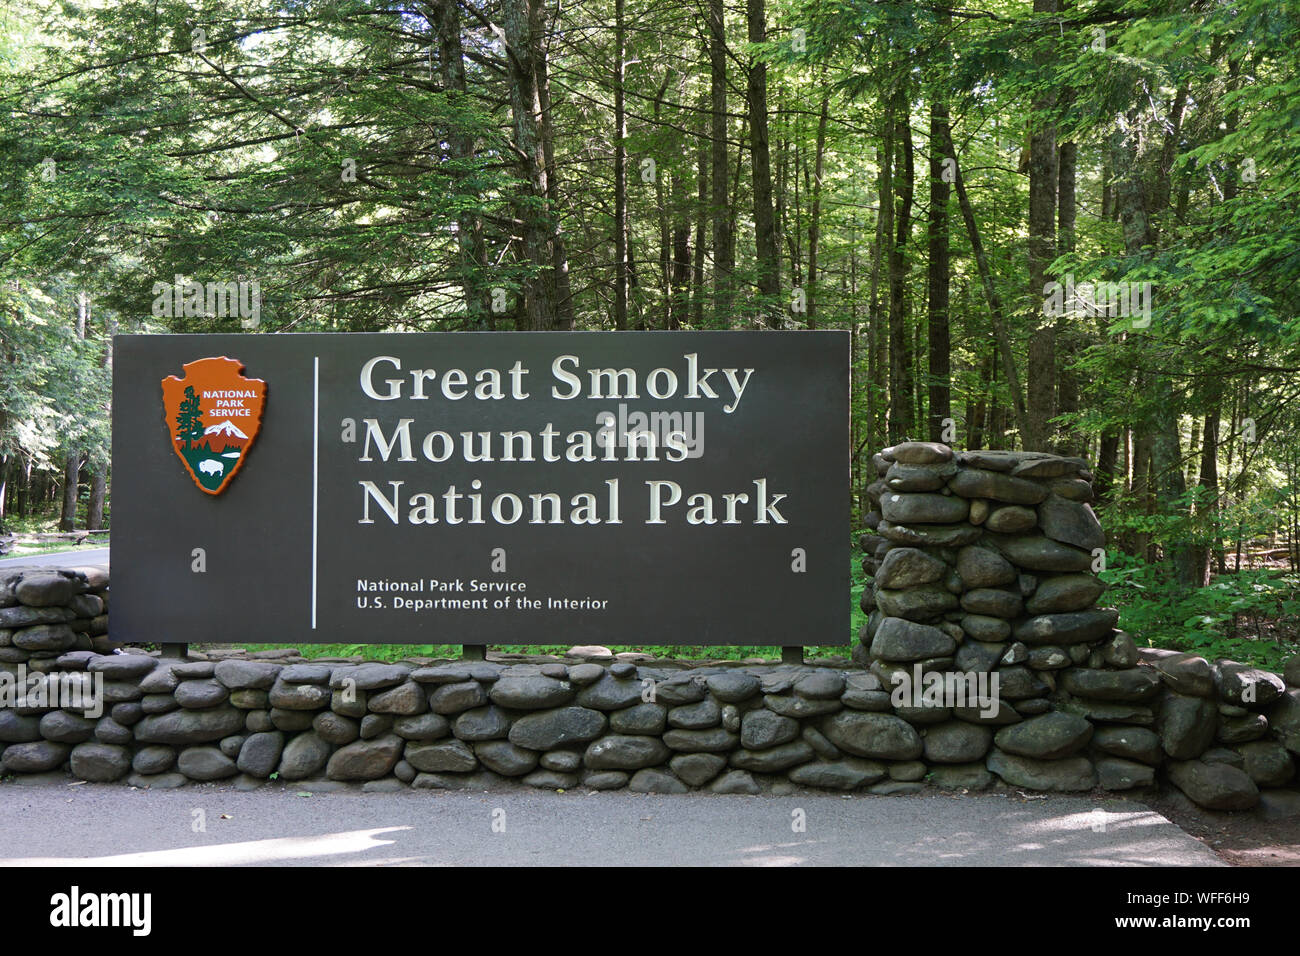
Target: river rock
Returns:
[366, 759]
[1070, 774]
[1115, 773]
[714, 740]
[549, 729]
[1247, 686]
[641, 719]
[625, 752]
[847, 773]
[1129, 686]
[153, 759]
[992, 602]
[336, 729]
[611, 693]
[1047, 737]
[449, 756]
[908, 509]
[200, 694]
[956, 742]
[1283, 717]
[981, 483]
[773, 759]
[1071, 522]
[1131, 743]
[46, 590]
[303, 757]
[46, 637]
[1076, 627]
[205, 763]
[1186, 726]
[1238, 730]
[983, 568]
[482, 723]
[761, 729]
[288, 696]
[186, 727]
[697, 769]
[866, 734]
[929, 535]
[66, 728]
[656, 781]
[421, 727]
[698, 716]
[900, 640]
[369, 676]
[924, 603]
[100, 763]
[733, 687]
[258, 757]
[1188, 674]
[1038, 553]
[1267, 763]
[1056, 594]
[1215, 786]
[246, 675]
[908, 568]
[453, 698]
[903, 477]
[1011, 519]
[918, 453]
[531, 693]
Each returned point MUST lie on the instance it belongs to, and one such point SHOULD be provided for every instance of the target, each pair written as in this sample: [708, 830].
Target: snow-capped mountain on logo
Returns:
[226, 428]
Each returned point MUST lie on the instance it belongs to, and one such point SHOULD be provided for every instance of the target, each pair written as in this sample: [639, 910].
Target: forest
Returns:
[1059, 225]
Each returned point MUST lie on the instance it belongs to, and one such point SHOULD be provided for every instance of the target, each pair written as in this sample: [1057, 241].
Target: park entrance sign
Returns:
[482, 488]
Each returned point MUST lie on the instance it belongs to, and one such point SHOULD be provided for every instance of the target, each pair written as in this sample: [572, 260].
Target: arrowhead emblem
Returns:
[213, 415]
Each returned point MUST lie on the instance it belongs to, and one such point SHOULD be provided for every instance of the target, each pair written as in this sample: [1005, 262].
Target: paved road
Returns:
[63, 559]
[105, 824]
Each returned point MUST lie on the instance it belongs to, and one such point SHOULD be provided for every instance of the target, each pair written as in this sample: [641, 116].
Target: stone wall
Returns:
[982, 562]
[602, 722]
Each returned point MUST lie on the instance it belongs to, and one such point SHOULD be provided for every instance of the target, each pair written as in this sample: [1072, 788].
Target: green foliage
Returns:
[1251, 616]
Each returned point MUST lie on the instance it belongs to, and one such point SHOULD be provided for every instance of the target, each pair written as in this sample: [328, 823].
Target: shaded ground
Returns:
[1240, 839]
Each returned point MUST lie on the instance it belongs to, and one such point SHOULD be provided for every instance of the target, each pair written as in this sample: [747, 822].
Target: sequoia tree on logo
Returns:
[213, 415]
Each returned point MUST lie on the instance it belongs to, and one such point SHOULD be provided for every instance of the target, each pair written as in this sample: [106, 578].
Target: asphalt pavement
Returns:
[60, 559]
[53, 823]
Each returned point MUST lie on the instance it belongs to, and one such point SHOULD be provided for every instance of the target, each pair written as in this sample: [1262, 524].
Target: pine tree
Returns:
[190, 419]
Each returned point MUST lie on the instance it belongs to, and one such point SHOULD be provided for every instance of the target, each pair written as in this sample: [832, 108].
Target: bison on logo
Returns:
[213, 414]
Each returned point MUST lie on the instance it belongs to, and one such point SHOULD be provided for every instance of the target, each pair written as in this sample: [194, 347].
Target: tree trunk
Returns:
[1069, 342]
[940, 382]
[902, 422]
[1107, 463]
[724, 253]
[98, 492]
[1142, 491]
[1209, 481]
[767, 250]
[814, 225]
[996, 314]
[564, 313]
[701, 220]
[71, 473]
[1041, 404]
[469, 227]
[519, 21]
[620, 170]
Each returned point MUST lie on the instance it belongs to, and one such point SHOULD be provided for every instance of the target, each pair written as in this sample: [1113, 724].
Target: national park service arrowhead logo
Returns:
[213, 415]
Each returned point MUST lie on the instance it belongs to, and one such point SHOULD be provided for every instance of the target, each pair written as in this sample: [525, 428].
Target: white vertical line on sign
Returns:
[315, 481]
